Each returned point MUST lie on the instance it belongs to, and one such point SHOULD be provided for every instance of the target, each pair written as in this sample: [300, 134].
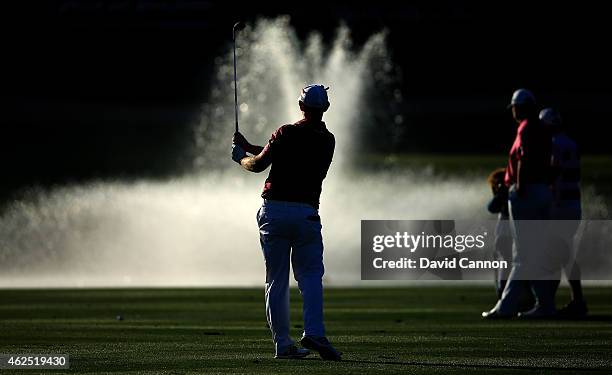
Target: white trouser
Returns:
[528, 215]
[291, 232]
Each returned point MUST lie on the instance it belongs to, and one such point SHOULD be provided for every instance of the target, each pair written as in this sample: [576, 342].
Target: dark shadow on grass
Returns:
[588, 318]
[475, 366]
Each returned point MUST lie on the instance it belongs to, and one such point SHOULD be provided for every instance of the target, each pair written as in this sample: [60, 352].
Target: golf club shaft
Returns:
[235, 83]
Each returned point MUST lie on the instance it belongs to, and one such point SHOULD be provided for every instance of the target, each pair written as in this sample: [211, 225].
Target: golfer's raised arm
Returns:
[260, 160]
[257, 163]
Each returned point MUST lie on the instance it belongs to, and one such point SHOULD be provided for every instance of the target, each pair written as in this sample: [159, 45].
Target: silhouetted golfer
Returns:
[289, 222]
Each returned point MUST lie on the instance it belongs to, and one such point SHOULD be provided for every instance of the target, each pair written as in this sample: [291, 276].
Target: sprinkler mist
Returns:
[201, 229]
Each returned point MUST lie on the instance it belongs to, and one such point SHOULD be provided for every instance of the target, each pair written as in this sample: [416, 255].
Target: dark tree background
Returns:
[110, 89]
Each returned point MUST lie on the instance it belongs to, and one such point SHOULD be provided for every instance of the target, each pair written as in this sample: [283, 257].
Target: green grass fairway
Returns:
[391, 330]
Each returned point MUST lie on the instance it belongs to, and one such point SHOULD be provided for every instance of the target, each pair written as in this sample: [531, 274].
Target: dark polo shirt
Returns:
[301, 155]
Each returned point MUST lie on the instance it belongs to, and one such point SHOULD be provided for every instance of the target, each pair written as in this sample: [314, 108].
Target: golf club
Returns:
[237, 27]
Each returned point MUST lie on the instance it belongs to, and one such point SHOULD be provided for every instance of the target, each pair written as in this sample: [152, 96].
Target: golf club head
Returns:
[237, 27]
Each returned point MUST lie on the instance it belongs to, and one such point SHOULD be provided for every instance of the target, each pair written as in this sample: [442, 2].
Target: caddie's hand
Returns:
[240, 140]
[238, 153]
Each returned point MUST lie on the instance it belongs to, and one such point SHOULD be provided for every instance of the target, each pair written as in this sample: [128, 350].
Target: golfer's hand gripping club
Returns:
[241, 141]
[238, 153]
[239, 144]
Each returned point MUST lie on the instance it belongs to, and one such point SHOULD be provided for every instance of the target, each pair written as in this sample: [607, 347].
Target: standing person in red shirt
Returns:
[529, 202]
[289, 222]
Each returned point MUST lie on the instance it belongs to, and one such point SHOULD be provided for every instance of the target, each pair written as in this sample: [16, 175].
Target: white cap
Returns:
[315, 96]
[550, 116]
[521, 97]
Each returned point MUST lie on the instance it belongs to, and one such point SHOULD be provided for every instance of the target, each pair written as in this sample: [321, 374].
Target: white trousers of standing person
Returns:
[531, 264]
[291, 233]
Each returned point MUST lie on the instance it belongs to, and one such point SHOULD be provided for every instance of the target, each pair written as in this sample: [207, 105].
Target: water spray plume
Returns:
[201, 229]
